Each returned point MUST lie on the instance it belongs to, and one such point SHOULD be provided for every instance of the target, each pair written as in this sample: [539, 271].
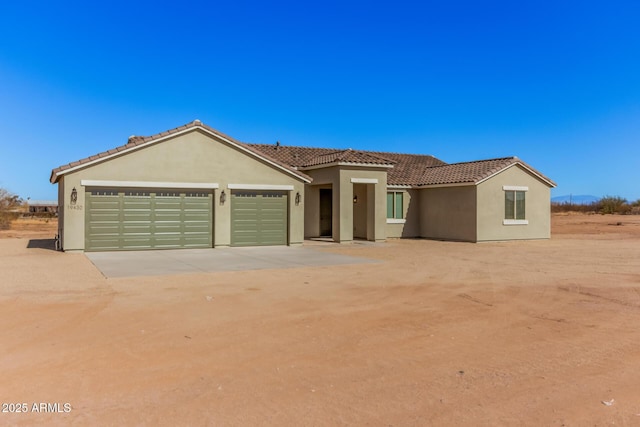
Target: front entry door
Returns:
[326, 209]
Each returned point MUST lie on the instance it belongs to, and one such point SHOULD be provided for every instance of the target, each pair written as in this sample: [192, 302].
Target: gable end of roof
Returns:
[137, 142]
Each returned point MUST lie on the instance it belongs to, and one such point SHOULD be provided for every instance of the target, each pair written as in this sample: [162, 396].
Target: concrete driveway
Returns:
[161, 262]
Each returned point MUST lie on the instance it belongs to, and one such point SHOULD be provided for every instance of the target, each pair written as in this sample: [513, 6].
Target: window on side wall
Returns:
[515, 205]
[395, 206]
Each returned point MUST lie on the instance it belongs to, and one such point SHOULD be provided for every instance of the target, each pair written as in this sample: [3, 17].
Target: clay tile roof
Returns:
[470, 172]
[349, 156]
[134, 141]
[407, 168]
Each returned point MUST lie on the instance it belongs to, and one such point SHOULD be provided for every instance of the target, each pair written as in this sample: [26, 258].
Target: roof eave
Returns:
[451, 184]
[525, 166]
[55, 175]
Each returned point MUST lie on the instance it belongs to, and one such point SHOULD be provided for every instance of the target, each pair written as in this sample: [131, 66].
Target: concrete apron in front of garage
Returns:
[179, 261]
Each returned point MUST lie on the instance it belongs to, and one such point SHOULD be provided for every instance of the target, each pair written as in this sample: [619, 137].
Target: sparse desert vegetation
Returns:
[11, 206]
[436, 333]
[606, 205]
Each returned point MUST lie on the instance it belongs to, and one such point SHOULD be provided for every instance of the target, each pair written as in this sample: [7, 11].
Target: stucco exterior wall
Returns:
[448, 213]
[312, 211]
[322, 178]
[373, 203]
[192, 157]
[376, 205]
[411, 213]
[491, 207]
[61, 211]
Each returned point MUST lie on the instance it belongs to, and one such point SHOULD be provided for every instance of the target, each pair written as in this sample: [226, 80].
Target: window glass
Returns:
[509, 205]
[399, 206]
[389, 205]
[520, 204]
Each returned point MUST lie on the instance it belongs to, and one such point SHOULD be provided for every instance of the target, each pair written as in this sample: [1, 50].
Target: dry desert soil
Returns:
[536, 333]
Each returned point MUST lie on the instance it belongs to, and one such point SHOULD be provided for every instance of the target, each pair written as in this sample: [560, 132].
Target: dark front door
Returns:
[326, 207]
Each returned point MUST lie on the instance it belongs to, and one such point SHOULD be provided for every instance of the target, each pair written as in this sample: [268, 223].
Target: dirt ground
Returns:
[536, 333]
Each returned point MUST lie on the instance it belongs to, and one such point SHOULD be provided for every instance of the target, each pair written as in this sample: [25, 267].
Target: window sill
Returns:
[515, 222]
[396, 221]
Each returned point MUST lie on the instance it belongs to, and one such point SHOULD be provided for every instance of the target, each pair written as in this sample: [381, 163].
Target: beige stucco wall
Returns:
[373, 202]
[61, 193]
[192, 157]
[491, 207]
[448, 213]
[322, 178]
[376, 202]
[411, 213]
[312, 210]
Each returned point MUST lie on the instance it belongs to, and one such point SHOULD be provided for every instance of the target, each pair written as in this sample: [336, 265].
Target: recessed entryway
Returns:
[326, 212]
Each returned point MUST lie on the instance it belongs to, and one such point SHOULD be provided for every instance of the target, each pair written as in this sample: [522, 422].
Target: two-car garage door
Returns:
[137, 219]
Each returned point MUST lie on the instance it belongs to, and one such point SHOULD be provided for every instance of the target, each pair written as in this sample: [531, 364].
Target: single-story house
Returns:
[194, 187]
[43, 207]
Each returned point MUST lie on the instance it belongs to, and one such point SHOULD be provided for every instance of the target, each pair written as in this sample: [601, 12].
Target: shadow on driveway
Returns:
[178, 261]
[42, 244]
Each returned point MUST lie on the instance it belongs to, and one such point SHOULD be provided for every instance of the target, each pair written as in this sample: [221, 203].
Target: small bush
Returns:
[612, 205]
[9, 205]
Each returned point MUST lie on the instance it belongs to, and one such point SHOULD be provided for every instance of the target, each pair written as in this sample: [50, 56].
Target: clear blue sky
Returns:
[555, 83]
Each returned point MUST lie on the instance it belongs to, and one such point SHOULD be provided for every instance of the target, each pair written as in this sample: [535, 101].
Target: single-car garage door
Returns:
[258, 218]
[135, 219]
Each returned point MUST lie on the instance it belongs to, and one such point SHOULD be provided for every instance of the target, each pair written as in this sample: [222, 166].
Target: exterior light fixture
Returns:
[355, 199]
[298, 197]
[223, 197]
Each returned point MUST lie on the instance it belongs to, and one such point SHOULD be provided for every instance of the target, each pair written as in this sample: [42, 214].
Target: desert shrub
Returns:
[572, 207]
[9, 208]
[606, 205]
[612, 205]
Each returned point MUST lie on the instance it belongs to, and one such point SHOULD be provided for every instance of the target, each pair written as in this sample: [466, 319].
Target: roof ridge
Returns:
[297, 146]
[304, 147]
[474, 161]
[134, 141]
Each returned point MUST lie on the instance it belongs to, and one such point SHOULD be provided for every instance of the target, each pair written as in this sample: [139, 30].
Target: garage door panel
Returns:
[195, 229]
[148, 219]
[163, 216]
[258, 218]
[106, 244]
[101, 216]
[106, 204]
[167, 205]
[198, 217]
[144, 229]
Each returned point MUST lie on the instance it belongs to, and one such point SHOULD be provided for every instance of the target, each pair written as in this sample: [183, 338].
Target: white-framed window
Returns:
[395, 205]
[515, 205]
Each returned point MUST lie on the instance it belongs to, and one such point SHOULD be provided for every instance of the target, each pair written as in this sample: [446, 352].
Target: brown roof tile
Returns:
[471, 172]
[139, 140]
[407, 168]
[349, 156]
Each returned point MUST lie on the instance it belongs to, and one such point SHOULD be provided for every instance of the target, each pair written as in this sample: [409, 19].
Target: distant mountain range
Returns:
[575, 199]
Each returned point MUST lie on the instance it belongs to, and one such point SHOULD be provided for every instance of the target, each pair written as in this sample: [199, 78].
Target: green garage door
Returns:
[258, 218]
[119, 219]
